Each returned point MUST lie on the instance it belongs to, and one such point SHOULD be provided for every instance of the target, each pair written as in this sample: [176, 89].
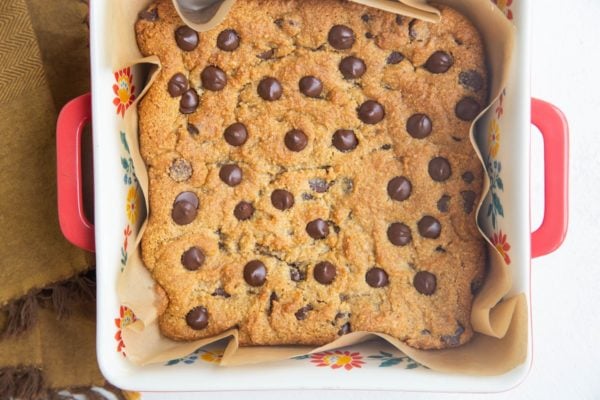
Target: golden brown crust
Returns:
[356, 204]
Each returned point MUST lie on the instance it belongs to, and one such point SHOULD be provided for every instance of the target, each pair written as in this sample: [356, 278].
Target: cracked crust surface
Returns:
[288, 40]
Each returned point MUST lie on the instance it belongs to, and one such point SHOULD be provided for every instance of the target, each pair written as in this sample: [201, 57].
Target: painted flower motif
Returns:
[495, 208]
[500, 106]
[133, 204]
[124, 90]
[494, 138]
[213, 356]
[126, 233]
[388, 360]
[337, 359]
[504, 6]
[501, 244]
[126, 317]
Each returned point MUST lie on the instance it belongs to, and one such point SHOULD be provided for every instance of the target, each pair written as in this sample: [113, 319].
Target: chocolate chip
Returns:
[467, 109]
[386, 146]
[295, 140]
[471, 79]
[412, 31]
[177, 85]
[255, 273]
[371, 112]
[185, 208]
[324, 272]
[317, 229]
[149, 15]
[468, 177]
[419, 126]
[188, 102]
[296, 275]
[303, 312]
[236, 134]
[439, 62]
[180, 170]
[311, 86]
[453, 340]
[365, 17]
[197, 318]
[228, 40]
[266, 55]
[442, 203]
[220, 292]
[193, 258]
[186, 38]
[429, 227]
[377, 277]
[369, 35]
[439, 169]
[231, 174]
[352, 67]
[282, 199]
[192, 130]
[307, 196]
[399, 234]
[440, 249]
[213, 78]
[476, 285]
[399, 20]
[345, 329]
[424, 282]
[425, 332]
[399, 188]
[469, 197]
[243, 210]
[344, 140]
[318, 185]
[272, 298]
[270, 89]
[341, 37]
[279, 22]
[395, 57]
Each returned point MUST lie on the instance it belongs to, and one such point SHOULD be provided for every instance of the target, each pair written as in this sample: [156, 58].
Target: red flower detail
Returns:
[501, 244]
[126, 232]
[337, 359]
[124, 90]
[500, 106]
[126, 317]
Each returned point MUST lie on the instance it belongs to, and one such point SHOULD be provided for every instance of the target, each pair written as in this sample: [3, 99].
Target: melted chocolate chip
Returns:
[453, 340]
[424, 282]
[439, 62]
[377, 278]
[243, 210]
[345, 329]
[469, 197]
[440, 249]
[419, 126]
[471, 79]
[296, 275]
[439, 169]
[177, 85]
[443, 203]
[295, 140]
[193, 258]
[192, 130]
[266, 55]
[311, 86]
[213, 78]
[302, 313]
[180, 170]
[369, 35]
[365, 17]
[429, 227]
[344, 140]
[270, 89]
[236, 134]
[399, 20]
[186, 38]
[399, 234]
[149, 15]
[352, 67]
[221, 293]
[318, 185]
[282, 199]
[467, 109]
[341, 37]
[324, 272]
[188, 102]
[468, 177]
[395, 57]
[272, 298]
[228, 40]
[255, 273]
[317, 229]
[231, 174]
[197, 318]
[371, 112]
[185, 208]
[399, 188]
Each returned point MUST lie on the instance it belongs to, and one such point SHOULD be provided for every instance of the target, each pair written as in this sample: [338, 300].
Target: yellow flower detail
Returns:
[212, 356]
[494, 137]
[133, 204]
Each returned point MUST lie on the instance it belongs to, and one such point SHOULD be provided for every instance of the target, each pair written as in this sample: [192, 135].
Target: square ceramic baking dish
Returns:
[370, 366]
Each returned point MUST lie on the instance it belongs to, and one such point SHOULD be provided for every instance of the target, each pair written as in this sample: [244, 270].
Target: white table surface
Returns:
[565, 284]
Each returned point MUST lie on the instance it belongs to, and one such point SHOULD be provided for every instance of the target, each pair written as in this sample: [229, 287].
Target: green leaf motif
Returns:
[391, 362]
[301, 357]
[125, 164]
[173, 362]
[497, 204]
[124, 141]
[385, 354]
[499, 183]
[412, 365]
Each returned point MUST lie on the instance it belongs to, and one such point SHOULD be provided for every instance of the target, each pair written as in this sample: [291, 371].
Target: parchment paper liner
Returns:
[501, 329]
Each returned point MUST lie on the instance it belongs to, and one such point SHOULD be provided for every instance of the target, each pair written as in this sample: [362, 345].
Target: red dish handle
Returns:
[69, 128]
[554, 128]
